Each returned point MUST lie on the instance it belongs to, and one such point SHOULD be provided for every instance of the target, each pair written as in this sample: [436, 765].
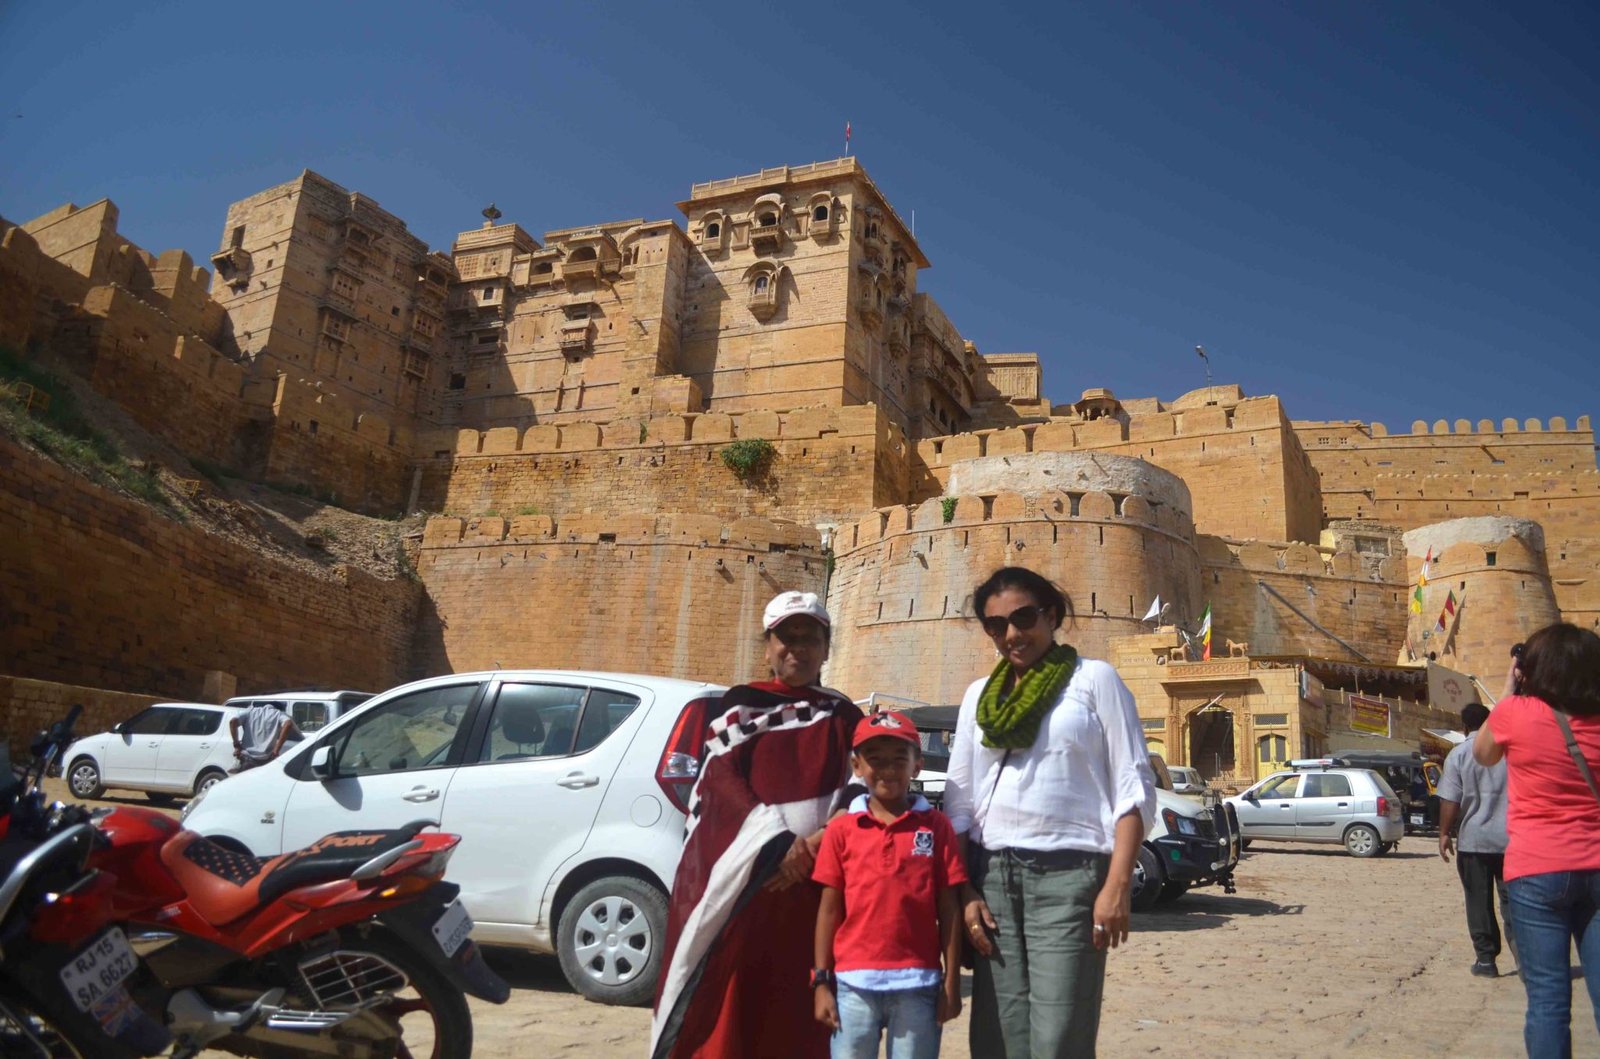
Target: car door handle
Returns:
[574, 781]
[205, 746]
[421, 794]
[1344, 805]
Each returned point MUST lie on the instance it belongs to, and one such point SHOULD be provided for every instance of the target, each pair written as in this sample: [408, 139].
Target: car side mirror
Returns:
[323, 766]
[1249, 796]
[117, 728]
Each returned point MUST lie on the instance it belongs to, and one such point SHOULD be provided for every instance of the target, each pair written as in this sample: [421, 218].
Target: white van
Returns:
[310, 710]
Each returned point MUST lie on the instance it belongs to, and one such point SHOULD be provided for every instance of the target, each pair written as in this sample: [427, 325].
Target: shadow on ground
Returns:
[1204, 911]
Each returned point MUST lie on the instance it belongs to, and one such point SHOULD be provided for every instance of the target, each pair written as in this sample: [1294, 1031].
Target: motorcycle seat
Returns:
[222, 884]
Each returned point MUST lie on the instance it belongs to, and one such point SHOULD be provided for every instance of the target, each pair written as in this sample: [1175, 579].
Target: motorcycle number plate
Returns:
[452, 928]
[98, 970]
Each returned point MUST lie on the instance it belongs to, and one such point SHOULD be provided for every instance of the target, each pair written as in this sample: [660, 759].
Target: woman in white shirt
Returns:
[1050, 785]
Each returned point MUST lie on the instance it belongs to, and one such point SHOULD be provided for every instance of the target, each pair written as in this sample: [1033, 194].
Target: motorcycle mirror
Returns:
[322, 764]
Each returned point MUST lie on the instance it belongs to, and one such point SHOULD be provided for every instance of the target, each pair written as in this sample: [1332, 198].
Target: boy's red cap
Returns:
[888, 724]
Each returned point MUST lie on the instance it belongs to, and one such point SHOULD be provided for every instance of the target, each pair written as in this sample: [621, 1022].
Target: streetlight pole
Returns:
[1202, 351]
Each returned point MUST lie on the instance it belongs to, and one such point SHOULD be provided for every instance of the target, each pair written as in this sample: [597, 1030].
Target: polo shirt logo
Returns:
[922, 843]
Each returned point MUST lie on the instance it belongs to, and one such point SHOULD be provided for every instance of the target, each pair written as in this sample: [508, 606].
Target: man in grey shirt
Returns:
[266, 727]
[1474, 797]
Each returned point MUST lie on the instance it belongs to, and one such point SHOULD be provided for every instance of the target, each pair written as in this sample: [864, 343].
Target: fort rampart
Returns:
[903, 578]
[674, 595]
[99, 589]
[829, 464]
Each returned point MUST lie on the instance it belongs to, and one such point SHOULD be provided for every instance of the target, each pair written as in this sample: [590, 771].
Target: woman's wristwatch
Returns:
[824, 976]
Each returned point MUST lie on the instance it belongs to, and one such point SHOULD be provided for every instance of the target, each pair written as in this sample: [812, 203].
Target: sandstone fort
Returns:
[630, 434]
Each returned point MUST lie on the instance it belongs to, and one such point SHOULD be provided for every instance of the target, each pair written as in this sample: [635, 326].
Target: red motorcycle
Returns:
[353, 946]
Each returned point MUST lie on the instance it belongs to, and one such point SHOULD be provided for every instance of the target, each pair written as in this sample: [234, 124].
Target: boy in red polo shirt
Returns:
[890, 877]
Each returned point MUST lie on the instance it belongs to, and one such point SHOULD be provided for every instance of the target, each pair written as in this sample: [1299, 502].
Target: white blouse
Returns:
[1087, 767]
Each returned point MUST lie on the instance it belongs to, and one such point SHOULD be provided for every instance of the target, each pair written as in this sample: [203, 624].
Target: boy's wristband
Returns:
[824, 976]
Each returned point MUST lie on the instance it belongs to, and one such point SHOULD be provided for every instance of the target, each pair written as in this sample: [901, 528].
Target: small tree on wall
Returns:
[749, 458]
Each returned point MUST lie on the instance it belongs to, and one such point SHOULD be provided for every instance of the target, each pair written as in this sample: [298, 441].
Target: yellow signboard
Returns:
[1369, 715]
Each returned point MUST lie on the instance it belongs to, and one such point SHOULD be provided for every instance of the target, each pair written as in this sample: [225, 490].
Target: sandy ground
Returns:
[1318, 954]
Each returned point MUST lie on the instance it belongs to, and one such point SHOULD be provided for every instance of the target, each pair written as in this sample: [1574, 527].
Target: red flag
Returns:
[847, 132]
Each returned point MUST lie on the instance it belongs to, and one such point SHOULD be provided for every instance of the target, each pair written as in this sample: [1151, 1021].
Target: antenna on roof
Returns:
[1202, 351]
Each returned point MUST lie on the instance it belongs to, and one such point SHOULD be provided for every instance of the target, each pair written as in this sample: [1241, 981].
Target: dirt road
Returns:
[1317, 954]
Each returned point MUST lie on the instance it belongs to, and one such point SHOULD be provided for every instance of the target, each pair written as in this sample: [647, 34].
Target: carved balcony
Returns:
[575, 336]
[766, 238]
[763, 303]
[581, 268]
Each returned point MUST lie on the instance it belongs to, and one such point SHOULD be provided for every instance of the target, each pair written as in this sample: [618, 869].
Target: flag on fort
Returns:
[1205, 633]
[1448, 612]
[1416, 601]
[1427, 568]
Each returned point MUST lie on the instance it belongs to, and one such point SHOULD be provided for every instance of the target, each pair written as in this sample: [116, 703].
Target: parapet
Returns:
[681, 530]
[798, 424]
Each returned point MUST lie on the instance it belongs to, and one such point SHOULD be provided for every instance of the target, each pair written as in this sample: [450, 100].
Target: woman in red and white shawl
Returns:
[735, 978]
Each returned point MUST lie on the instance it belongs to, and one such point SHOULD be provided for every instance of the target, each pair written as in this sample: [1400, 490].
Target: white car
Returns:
[568, 790]
[171, 748]
[1186, 780]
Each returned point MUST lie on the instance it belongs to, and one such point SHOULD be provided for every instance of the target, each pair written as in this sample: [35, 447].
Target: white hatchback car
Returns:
[171, 748]
[568, 790]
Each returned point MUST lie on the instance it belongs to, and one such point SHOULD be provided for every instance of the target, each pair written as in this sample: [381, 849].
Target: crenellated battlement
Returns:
[1503, 429]
[799, 424]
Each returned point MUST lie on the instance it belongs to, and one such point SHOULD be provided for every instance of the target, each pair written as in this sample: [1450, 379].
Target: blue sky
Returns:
[1377, 211]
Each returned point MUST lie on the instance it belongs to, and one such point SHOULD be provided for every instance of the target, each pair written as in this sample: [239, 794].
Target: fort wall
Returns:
[1294, 598]
[829, 465]
[31, 705]
[903, 578]
[673, 595]
[1243, 464]
[1496, 569]
[101, 590]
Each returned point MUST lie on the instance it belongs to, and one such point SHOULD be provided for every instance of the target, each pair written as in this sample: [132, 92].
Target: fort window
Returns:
[713, 230]
[313, 426]
[543, 268]
[820, 213]
[458, 381]
[1489, 558]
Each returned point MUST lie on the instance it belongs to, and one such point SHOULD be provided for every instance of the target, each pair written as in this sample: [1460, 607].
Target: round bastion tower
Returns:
[1488, 586]
[1113, 531]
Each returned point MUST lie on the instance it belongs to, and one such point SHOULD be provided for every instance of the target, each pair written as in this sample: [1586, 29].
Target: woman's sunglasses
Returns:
[1024, 618]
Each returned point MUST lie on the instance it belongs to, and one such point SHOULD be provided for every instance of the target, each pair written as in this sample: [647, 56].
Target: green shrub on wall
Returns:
[748, 458]
[949, 504]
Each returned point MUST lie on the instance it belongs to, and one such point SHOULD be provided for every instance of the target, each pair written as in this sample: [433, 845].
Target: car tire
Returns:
[1244, 843]
[83, 778]
[610, 940]
[1362, 841]
[1148, 880]
[1171, 890]
[207, 780]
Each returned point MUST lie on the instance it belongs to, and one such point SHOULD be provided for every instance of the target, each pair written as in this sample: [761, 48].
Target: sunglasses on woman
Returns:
[1024, 618]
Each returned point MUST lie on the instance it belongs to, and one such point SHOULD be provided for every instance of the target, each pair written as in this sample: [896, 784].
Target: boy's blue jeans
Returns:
[1549, 912]
[909, 1015]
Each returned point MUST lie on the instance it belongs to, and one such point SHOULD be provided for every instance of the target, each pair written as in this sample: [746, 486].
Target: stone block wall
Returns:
[903, 579]
[672, 595]
[830, 464]
[101, 590]
[1334, 590]
[30, 705]
[1243, 465]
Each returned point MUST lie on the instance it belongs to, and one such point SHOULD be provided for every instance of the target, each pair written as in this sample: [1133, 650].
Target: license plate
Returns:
[98, 970]
[1416, 819]
[452, 928]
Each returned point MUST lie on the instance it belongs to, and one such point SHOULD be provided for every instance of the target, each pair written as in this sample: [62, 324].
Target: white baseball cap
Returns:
[787, 604]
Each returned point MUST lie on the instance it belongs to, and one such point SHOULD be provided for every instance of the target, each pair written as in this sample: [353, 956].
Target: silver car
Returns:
[1353, 806]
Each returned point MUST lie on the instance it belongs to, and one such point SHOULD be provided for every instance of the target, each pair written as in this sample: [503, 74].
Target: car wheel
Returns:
[1147, 880]
[83, 778]
[159, 798]
[208, 779]
[610, 940]
[1362, 841]
[1171, 891]
[1244, 843]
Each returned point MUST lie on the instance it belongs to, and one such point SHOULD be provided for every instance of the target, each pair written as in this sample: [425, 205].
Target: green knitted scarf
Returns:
[1014, 723]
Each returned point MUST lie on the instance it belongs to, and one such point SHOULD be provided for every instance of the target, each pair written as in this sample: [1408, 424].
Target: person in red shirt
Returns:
[1547, 728]
[891, 878]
